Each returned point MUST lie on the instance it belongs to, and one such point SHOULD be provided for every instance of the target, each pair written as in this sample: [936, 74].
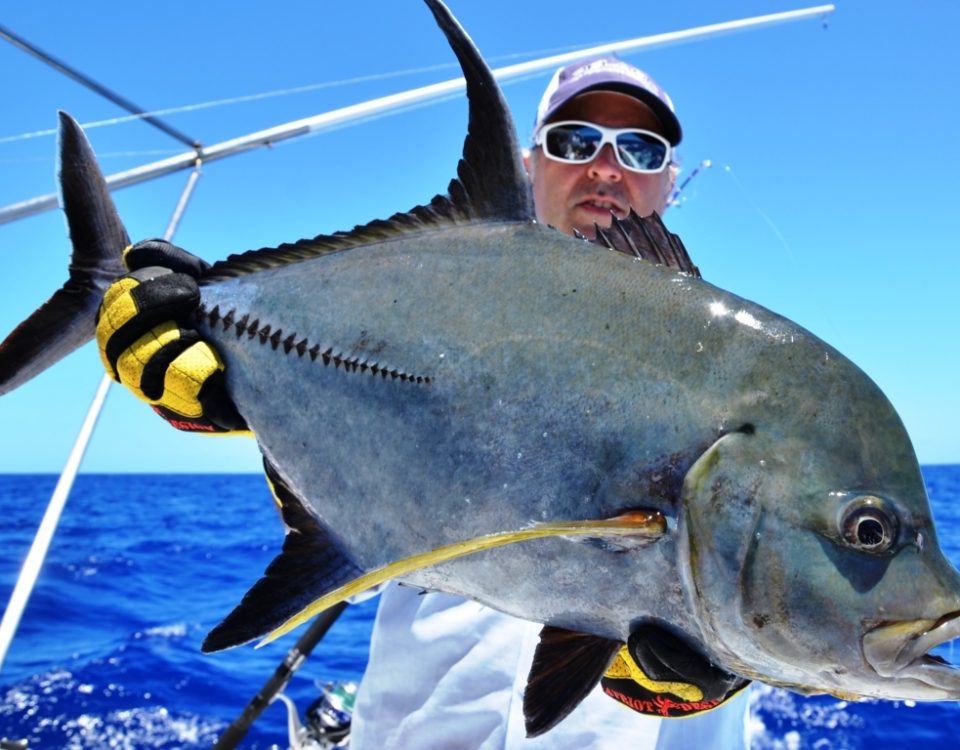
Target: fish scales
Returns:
[600, 364]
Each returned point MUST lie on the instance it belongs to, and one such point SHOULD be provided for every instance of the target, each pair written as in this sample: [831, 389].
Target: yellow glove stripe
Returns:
[117, 308]
[185, 377]
[130, 364]
[625, 668]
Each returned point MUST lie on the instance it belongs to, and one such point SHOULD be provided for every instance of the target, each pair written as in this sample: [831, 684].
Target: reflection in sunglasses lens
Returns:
[573, 143]
[579, 143]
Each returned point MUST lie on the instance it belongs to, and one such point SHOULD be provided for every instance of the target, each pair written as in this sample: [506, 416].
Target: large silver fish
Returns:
[622, 442]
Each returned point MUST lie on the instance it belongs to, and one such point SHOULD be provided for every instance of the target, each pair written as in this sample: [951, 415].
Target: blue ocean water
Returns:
[108, 651]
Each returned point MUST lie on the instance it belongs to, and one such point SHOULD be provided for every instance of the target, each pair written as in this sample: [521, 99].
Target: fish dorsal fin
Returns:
[309, 566]
[491, 183]
[647, 238]
[567, 665]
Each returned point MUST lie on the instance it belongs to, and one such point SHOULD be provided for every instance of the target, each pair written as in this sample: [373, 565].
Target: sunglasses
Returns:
[575, 142]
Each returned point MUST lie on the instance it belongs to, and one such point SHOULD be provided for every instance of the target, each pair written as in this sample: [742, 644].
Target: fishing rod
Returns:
[674, 199]
[387, 104]
[272, 687]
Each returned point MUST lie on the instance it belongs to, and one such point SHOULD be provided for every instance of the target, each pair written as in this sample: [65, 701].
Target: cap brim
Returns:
[668, 120]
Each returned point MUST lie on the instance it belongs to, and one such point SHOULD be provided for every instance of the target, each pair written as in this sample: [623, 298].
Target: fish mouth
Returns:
[901, 651]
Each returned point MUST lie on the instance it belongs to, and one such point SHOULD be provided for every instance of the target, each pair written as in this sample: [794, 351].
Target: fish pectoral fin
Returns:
[634, 525]
[630, 530]
[310, 566]
[566, 667]
[661, 673]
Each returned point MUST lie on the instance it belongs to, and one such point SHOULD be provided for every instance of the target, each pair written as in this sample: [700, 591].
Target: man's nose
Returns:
[605, 166]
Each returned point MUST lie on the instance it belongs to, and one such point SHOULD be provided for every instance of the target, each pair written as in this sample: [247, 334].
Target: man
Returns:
[445, 672]
[575, 196]
[449, 673]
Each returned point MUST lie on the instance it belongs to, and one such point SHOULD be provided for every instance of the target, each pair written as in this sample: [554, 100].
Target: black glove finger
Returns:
[665, 656]
[156, 252]
[218, 407]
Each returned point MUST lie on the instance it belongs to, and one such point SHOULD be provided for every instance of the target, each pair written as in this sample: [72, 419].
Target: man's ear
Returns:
[527, 161]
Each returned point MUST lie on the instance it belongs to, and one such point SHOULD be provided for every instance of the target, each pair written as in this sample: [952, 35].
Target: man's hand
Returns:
[661, 674]
[147, 342]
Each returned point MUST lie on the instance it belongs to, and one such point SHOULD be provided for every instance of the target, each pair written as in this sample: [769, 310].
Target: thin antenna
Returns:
[19, 41]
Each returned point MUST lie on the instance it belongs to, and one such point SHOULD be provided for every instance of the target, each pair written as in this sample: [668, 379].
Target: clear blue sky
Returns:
[831, 198]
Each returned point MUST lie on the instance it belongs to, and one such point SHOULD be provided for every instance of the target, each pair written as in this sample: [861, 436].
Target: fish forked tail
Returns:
[68, 319]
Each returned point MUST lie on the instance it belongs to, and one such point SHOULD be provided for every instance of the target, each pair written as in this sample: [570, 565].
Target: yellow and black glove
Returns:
[147, 342]
[660, 674]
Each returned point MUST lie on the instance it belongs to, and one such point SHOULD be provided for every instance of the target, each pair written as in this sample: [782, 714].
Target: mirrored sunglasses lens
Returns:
[572, 142]
[640, 151]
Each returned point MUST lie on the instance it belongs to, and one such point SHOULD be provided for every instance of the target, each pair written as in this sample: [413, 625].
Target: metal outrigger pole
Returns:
[393, 102]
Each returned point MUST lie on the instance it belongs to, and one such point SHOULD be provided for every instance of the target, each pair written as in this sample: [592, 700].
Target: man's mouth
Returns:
[603, 205]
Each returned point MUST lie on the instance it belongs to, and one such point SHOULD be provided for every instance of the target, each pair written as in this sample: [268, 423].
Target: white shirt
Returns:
[449, 673]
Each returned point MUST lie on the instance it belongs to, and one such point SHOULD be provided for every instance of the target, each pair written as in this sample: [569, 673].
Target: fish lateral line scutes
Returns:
[265, 333]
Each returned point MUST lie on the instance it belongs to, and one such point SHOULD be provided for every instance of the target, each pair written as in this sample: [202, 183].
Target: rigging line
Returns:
[101, 156]
[276, 93]
[76, 75]
[763, 215]
[51, 517]
[232, 100]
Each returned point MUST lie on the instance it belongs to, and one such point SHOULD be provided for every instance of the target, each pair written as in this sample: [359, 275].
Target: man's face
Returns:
[575, 196]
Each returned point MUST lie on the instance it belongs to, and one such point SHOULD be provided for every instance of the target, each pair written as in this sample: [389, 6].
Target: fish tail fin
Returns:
[68, 319]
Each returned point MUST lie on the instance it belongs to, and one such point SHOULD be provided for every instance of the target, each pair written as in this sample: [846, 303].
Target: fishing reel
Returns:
[328, 718]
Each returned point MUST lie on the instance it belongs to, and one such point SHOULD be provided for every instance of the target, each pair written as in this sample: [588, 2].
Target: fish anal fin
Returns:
[310, 566]
[566, 667]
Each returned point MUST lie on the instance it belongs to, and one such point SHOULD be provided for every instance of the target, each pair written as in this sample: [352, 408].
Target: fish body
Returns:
[542, 378]
[460, 371]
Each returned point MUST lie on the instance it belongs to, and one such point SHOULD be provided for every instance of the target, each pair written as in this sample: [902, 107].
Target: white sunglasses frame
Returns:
[607, 135]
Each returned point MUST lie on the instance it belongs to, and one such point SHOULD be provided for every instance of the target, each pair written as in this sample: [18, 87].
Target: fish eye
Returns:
[867, 526]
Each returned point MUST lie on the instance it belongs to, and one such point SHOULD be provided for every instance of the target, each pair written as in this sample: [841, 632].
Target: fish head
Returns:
[812, 570]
